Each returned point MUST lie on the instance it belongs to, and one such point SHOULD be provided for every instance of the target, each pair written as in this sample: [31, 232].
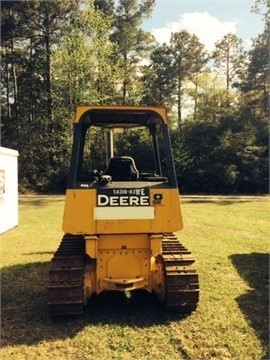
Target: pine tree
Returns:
[189, 58]
[159, 78]
[28, 123]
[229, 56]
[133, 43]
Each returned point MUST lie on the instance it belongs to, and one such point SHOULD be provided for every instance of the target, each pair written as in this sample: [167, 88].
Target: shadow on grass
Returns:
[39, 202]
[254, 304]
[39, 253]
[220, 201]
[26, 320]
[214, 201]
[141, 310]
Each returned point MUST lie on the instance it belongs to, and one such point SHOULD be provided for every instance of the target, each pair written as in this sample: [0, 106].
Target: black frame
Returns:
[127, 118]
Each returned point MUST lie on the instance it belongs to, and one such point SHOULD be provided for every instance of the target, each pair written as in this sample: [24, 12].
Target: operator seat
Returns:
[122, 168]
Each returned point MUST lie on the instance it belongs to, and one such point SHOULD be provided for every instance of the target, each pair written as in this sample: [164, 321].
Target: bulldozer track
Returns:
[181, 278]
[66, 277]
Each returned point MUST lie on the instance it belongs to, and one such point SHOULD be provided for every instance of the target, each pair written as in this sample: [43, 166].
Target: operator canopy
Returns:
[124, 116]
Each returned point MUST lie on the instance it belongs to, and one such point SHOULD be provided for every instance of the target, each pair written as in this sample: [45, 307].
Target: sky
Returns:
[210, 20]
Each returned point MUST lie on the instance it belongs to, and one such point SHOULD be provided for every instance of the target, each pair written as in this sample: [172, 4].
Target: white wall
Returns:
[8, 189]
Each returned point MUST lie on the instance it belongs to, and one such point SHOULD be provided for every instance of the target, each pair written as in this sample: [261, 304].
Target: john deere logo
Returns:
[123, 197]
[2, 181]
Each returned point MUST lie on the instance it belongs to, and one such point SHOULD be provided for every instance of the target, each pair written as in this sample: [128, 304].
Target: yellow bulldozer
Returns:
[119, 221]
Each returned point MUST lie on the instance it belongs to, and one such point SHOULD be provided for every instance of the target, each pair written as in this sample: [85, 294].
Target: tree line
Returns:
[57, 55]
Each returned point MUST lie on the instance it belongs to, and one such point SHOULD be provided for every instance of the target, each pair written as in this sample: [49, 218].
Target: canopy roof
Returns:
[121, 116]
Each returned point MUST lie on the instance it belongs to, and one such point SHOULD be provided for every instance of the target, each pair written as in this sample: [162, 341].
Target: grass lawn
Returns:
[229, 239]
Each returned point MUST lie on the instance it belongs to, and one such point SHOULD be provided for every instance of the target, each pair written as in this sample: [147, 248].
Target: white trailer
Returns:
[9, 209]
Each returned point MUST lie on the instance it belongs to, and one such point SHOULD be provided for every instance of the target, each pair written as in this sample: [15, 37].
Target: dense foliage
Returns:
[57, 55]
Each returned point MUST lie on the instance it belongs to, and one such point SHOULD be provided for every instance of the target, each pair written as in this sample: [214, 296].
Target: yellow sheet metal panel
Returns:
[91, 245]
[124, 262]
[167, 216]
[79, 212]
[163, 214]
[156, 243]
[83, 109]
[123, 241]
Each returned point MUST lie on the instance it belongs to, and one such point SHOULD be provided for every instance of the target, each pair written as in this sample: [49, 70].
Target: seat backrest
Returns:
[122, 168]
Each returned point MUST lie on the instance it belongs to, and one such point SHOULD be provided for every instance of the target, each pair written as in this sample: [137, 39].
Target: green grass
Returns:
[228, 237]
